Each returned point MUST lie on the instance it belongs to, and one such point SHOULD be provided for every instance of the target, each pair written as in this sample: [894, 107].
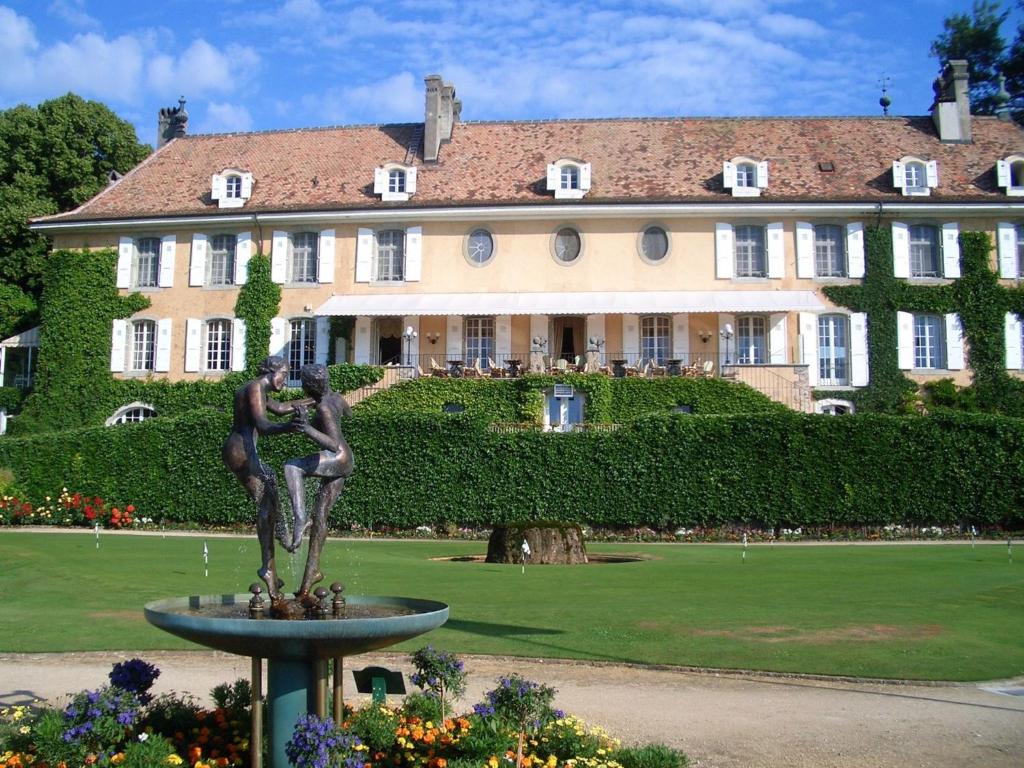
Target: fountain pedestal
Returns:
[296, 651]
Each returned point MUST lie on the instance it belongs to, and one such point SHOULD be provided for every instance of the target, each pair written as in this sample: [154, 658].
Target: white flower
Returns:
[143, 736]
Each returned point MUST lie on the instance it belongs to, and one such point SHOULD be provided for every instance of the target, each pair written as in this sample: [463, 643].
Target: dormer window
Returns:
[1010, 174]
[231, 188]
[394, 182]
[745, 177]
[568, 179]
[915, 176]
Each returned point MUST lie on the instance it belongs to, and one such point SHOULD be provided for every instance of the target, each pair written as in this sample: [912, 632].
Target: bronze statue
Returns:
[333, 464]
[239, 454]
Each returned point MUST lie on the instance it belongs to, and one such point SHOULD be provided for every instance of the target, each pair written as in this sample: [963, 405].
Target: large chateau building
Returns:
[691, 239]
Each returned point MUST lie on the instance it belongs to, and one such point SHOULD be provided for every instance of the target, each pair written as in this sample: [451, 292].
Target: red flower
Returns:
[90, 513]
[77, 500]
[130, 508]
[26, 508]
[98, 501]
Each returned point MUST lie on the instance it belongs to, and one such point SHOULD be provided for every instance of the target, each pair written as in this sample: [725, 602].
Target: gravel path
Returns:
[720, 720]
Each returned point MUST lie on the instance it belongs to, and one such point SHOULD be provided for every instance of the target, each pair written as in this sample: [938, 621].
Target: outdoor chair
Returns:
[472, 371]
[656, 369]
[496, 371]
[437, 370]
[709, 368]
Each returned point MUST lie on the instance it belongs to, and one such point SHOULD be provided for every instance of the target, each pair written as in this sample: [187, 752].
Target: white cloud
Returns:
[398, 98]
[202, 69]
[784, 25]
[73, 12]
[222, 117]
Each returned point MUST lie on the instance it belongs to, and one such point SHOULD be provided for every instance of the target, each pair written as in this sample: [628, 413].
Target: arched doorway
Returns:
[568, 337]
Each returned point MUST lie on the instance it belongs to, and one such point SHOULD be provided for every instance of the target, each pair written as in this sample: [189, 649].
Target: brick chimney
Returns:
[441, 113]
[172, 123]
[951, 110]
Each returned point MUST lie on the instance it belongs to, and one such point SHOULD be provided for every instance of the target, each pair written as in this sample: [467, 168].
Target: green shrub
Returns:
[650, 756]
[375, 726]
[10, 399]
[422, 705]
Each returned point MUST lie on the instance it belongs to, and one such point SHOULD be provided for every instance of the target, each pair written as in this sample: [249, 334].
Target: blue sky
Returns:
[251, 65]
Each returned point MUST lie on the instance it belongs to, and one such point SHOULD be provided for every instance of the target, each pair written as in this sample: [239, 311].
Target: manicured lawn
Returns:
[921, 612]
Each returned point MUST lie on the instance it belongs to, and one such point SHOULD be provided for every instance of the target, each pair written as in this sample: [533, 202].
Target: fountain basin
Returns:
[202, 619]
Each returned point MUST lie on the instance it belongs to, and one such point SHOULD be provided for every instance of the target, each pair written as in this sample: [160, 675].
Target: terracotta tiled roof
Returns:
[633, 160]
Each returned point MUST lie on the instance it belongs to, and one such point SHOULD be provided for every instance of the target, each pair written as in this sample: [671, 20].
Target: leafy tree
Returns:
[53, 158]
[978, 39]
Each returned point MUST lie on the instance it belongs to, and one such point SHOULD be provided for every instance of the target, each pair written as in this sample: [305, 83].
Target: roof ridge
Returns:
[307, 129]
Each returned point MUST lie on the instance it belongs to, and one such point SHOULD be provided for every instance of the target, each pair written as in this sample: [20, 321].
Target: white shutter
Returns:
[361, 351]
[278, 337]
[1014, 355]
[279, 257]
[539, 328]
[900, 249]
[364, 255]
[119, 341]
[585, 177]
[168, 245]
[762, 174]
[954, 343]
[125, 251]
[899, 176]
[193, 343]
[554, 177]
[728, 174]
[726, 349]
[325, 257]
[776, 247]
[950, 250]
[243, 252]
[1006, 244]
[859, 370]
[197, 265]
[724, 253]
[162, 363]
[630, 336]
[413, 253]
[238, 344]
[246, 186]
[323, 340]
[502, 338]
[218, 187]
[931, 174]
[681, 337]
[804, 249]
[1003, 174]
[855, 249]
[808, 339]
[380, 181]
[778, 339]
[410, 181]
[905, 340]
[453, 342]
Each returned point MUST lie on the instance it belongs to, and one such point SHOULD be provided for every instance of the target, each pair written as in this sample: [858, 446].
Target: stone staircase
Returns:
[393, 374]
[786, 384]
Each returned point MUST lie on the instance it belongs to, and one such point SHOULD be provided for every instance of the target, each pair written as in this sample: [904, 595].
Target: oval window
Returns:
[479, 247]
[567, 245]
[654, 244]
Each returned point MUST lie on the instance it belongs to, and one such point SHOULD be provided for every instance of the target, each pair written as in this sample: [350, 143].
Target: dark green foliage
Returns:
[375, 726]
[650, 756]
[257, 304]
[783, 469]
[10, 399]
[976, 38]
[17, 309]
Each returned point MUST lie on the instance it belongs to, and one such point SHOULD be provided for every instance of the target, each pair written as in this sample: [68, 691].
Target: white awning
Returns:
[29, 338]
[589, 303]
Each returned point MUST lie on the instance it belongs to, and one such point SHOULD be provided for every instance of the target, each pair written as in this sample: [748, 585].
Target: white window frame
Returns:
[841, 255]
[471, 248]
[137, 259]
[929, 342]
[301, 351]
[226, 346]
[936, 253]
[761, 354]
[555, 245]
[829, 373]
[763, 272]
[569, 178]
[231, 188]
[915, 177]
[1010, 175]
[312, 258]
[394, 182]
[231, 259]
[641, 247]
[396, 252]
[148, 362]
[656, 338]
[138, 408]
[479, 339]
[745, 176]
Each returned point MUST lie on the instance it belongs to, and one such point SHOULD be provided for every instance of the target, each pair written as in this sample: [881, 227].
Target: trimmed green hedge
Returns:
[10, 399]
[784, 469]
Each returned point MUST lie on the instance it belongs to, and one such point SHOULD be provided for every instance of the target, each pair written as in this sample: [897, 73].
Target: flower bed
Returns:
[122, 725]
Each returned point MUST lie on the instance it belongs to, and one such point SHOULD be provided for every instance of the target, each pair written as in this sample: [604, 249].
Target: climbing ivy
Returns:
[976, 296]
[257, 304]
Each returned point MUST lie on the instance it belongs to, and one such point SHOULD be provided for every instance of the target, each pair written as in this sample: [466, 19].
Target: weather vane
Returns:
[885, 81]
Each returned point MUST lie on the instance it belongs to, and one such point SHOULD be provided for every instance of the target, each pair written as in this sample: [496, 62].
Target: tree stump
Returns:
[550, 544]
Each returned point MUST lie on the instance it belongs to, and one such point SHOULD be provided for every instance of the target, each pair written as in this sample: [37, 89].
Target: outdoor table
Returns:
[618, 368]
[513, 368]
[673, 367]
[456, 369]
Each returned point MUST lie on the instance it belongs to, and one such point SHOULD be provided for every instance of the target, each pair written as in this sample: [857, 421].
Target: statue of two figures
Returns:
[332, 463]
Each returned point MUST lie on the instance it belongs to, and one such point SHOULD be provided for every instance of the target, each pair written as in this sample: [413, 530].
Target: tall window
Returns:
[746, 175]
[221, 262]
[389, 261]
[479, 339]
[143, 345]
[833, 350]
[303, 257]
[928, 342]
[1020, 248]
[233, 187]
[655, 338]
[218, 345]
[569, 177]
[750, 256]
[396, 180]
[915, 176]
[147, 262]
[924, 251]
[301, 346]
[751, 340]
[829, 253]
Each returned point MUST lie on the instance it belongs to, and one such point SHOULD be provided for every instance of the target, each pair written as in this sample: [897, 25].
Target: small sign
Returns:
[564, 391]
